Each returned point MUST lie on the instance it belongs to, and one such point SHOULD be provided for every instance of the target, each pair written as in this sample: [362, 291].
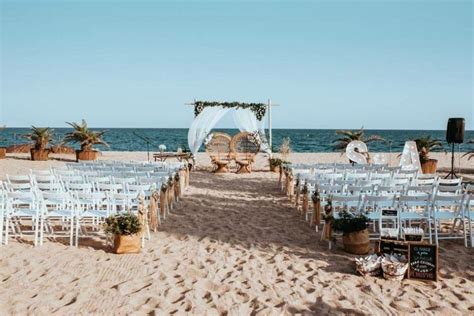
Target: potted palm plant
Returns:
[86, 138]
[40, 136]
[3, 150]
[126, 229]
[355, 235]
[425, 145]
[340, 144]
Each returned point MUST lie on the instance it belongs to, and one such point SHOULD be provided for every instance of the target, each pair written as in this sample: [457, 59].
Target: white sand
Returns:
[233, 245]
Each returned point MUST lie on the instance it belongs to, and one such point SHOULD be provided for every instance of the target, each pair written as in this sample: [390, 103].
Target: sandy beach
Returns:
[234, 245]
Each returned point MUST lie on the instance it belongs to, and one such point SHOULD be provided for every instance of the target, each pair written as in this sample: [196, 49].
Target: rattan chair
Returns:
[219, 151]
[245, 147]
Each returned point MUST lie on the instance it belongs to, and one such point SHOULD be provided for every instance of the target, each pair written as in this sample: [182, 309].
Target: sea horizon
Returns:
[302, 140]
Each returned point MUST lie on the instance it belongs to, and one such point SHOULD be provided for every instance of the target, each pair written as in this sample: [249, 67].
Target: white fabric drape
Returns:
[202, 125]
[246, 121]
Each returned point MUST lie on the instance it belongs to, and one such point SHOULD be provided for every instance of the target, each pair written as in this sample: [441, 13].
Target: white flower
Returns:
[162, 147]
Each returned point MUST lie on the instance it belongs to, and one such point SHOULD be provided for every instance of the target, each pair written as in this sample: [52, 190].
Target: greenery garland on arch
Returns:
[258, 109]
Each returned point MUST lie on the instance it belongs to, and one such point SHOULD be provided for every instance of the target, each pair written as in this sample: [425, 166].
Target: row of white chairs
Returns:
[70, 199]
[368, 189]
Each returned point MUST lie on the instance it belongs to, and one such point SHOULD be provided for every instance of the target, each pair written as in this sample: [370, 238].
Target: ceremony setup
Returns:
[223, 149]
[396, 218]
[233, 158]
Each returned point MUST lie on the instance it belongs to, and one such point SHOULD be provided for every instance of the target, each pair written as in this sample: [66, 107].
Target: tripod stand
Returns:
[147, 141]
[452, 174]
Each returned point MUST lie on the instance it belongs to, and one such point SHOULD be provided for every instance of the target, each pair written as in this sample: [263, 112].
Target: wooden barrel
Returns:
[429, 166]
[86, 155]
[127, 244]
[357, 242]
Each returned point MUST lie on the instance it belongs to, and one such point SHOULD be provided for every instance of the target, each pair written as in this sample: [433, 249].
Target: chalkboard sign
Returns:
[390, 212]
[389, 247]
[413, 237]
[423, 262]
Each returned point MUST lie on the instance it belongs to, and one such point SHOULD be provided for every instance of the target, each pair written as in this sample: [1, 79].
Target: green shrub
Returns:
[349, 223]
[123, 224]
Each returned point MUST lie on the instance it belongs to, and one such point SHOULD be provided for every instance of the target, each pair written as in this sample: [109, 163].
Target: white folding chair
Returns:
[448, 208]
[372, 207]
[415, 208]
[22, 207]
[93, 208]
[57, 208]
[469, 215]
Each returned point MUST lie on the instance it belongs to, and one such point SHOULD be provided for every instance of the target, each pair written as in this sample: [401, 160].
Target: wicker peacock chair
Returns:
[245, 147]
[219, 150]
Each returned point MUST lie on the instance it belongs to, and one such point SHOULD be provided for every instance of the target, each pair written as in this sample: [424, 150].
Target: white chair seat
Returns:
[94, 213]
[412, 215]
[59, 213]
[445, 215]
[374, 216]
[25, 213]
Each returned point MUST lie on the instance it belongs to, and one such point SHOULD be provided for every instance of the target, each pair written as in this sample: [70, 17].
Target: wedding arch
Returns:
[248, 117]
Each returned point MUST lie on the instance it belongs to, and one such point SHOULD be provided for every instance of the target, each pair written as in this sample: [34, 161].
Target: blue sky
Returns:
[338, 64]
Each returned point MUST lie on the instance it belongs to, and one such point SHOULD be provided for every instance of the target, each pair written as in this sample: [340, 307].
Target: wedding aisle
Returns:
[233, 245]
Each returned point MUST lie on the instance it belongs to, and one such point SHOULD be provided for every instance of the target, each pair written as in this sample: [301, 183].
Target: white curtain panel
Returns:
[202, 126]
[246, 121]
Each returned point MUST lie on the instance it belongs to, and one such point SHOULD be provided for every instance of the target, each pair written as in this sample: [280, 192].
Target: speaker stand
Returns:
[452, 174]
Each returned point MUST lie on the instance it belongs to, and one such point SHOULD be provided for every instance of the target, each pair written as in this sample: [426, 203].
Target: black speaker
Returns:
[455, 130]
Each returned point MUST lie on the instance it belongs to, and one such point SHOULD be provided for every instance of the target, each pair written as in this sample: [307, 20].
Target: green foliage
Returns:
[470, 154]
[84, 136]
[41, 136]
[258, 109]
[349, 223]
[340, 144]
[425, 145]
[276, 162]
[123, 224]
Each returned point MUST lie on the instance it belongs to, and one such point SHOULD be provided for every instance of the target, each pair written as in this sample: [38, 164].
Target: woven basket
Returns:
[393, 270]
[369, 266]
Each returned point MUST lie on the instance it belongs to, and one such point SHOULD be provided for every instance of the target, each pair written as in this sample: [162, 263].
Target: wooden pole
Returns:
[270, 126]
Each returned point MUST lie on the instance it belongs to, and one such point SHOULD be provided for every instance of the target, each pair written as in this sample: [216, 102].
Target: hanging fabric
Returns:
[246, 121]
[202, 126]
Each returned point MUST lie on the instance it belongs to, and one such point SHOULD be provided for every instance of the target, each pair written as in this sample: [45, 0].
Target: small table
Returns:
[178, 156]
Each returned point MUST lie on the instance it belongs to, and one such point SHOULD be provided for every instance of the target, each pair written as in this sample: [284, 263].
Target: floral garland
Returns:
[259, 109]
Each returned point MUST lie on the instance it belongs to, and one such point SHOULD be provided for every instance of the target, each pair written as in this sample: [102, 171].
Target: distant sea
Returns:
[302, 140]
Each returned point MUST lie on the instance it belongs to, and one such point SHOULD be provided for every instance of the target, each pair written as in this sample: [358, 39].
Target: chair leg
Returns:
[6, 230]
[436, 231]
[77, 231]
[41, 230]
[1, 228]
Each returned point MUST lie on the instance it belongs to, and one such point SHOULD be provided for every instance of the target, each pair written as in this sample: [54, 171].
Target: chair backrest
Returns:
[41, 172]
[446, 182]
[79, 187]
[19, 186]
[410, 201]
[49, 186]
[219, 146]
[377, 202]
[448, 202]
[115, 187]
[18, 178]
[448, 189]
[21, 199]
[346, 202]
[45, 178]
[244, 145]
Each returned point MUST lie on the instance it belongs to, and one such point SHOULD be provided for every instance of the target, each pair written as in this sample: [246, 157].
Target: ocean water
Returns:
[302, 140]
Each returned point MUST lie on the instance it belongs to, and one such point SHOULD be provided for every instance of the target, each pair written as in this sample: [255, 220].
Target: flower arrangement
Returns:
[259, 109]
[162, 148]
